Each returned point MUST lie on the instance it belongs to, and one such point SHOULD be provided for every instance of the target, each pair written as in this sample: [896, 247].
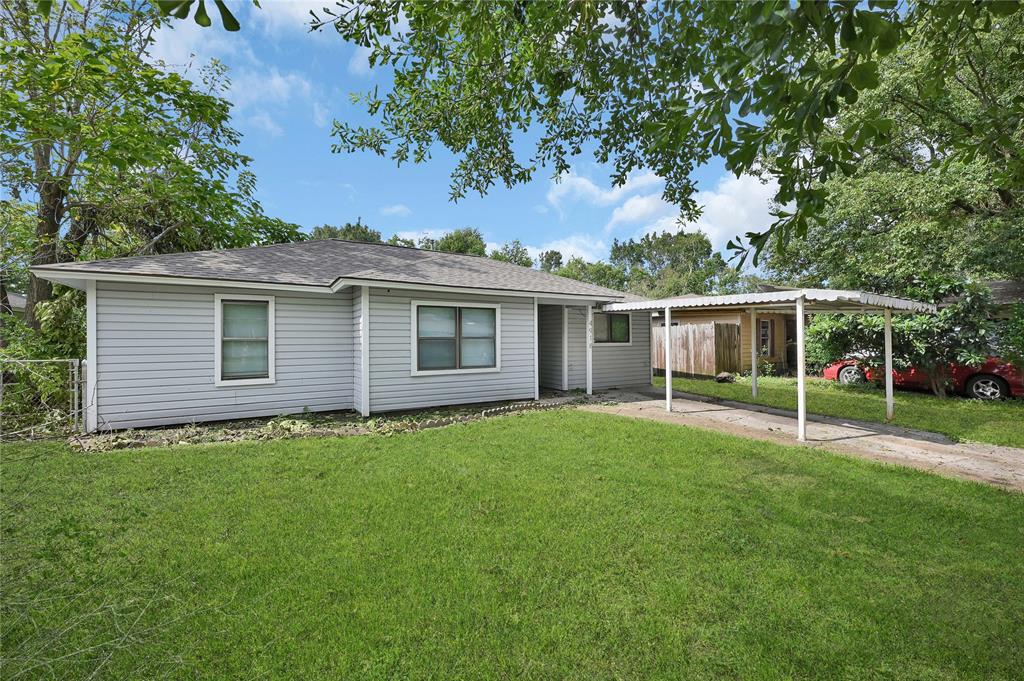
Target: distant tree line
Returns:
[656, 265]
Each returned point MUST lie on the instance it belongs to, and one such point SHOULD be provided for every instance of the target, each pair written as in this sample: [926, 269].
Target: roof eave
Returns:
[77, 278]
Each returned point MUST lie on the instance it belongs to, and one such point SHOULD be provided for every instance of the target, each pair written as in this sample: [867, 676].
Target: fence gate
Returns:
[41, 397]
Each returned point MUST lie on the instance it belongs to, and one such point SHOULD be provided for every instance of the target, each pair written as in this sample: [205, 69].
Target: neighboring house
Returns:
[709, 342]
[331, 325]
[1005, 294]
[17, 303]
[704, 344]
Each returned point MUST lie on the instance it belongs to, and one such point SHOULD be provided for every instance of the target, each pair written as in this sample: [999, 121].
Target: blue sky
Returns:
[287, 87]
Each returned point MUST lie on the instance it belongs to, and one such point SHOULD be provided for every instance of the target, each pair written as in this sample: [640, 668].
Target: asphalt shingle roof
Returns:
[321, 263]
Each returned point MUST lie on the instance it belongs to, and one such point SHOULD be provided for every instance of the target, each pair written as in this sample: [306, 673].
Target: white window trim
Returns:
[218, 316]
[610, 344]
[414, 350]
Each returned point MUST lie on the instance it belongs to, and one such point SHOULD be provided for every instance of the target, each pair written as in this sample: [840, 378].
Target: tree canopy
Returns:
[350, 231]
[913, 209]
[514, 252]
[664, 265]
[662, 86]
[550, 260]
[467, 240]
[120, 155]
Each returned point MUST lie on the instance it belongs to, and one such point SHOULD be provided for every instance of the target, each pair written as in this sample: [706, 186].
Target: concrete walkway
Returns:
[992, 464]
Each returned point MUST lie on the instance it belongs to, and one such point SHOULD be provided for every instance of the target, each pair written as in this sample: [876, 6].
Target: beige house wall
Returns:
[743, 319]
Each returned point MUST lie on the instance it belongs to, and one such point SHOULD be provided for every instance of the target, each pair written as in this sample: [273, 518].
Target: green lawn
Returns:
[559, 544]
[999, 423]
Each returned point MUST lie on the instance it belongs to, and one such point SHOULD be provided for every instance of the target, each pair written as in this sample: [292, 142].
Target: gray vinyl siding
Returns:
[155, 356]
[392, 387]
[617, 366]
[550, 330]
[577, 347]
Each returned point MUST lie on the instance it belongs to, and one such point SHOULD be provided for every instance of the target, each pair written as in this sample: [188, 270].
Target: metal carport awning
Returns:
[802, 302]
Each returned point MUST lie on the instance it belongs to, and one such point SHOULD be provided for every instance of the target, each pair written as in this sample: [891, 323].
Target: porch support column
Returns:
[801, 387]
[590, 349]
[565, 348]
[890, 406]
[92, 366]
[536, 350]
[364, 349]
[755, 340]
[668, 359]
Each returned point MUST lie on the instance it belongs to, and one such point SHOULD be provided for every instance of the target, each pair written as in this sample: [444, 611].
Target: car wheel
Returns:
[851, 374]
[986, 387]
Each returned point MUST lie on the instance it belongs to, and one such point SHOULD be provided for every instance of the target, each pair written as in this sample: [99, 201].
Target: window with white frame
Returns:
[455, 337]
[767, 337]
[245, 339]
[611, 327]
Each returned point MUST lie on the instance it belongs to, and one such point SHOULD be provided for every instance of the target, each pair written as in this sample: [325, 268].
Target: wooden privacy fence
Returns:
[703, 349]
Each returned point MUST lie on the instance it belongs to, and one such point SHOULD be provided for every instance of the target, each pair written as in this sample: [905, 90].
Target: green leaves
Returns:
[180, 9]
[864, 76]
[668, 87]
[120, 156]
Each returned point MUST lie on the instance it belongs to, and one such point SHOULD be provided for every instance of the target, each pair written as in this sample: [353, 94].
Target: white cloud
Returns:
[250, 86]
[186, 47]
[184, 44]
[398, 210]
[735, 206]
[581, 245]
[359, 62]
[261, 120]
[417, 235]
[320, 115]
[279, 17]
[570, 186]
[639, 208]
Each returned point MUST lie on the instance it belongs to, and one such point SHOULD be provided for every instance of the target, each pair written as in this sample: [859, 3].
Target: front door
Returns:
[790, 344]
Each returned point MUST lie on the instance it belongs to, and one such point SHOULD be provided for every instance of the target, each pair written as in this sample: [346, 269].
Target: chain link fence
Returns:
[41, 398]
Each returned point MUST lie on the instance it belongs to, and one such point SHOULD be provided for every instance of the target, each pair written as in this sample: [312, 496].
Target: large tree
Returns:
[119, 154]
[550, 260]
[600, 273]
[660, 85]
[514, 252]
[915, 216]
[350, 231]
[467, 240]
[913, 208]
[666, 264]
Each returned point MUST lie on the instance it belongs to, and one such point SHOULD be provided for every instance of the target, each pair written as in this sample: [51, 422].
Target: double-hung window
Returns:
[455, 337]
[766, 337]
[244, 327]
[611, 327]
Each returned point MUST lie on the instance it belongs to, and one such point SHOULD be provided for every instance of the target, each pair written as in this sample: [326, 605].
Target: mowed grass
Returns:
[561, 544]
[999, 423]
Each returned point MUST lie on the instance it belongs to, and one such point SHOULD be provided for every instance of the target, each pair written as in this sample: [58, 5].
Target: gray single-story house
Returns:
[333, 325]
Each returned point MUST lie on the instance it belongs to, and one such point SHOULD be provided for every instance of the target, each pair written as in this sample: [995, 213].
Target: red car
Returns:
[993, 380]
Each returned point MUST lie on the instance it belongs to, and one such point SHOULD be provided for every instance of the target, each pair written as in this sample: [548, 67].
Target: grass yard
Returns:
[998, 423]
[559, 544]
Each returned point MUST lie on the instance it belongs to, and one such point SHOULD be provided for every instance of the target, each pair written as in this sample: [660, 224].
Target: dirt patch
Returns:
[329, 424]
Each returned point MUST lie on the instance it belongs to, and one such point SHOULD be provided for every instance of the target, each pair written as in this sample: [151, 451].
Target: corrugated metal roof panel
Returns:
[818, 299]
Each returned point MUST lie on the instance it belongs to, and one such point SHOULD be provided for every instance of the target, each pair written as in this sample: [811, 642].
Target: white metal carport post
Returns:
[801, 392]
[668, 359]
[755, 340]
[889, 403]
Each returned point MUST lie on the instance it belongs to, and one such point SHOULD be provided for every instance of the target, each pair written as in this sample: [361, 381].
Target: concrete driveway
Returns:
[992, 464]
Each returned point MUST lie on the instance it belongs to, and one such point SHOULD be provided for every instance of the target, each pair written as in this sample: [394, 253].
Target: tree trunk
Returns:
[937, 380]
[49, 217]
[5, 309]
